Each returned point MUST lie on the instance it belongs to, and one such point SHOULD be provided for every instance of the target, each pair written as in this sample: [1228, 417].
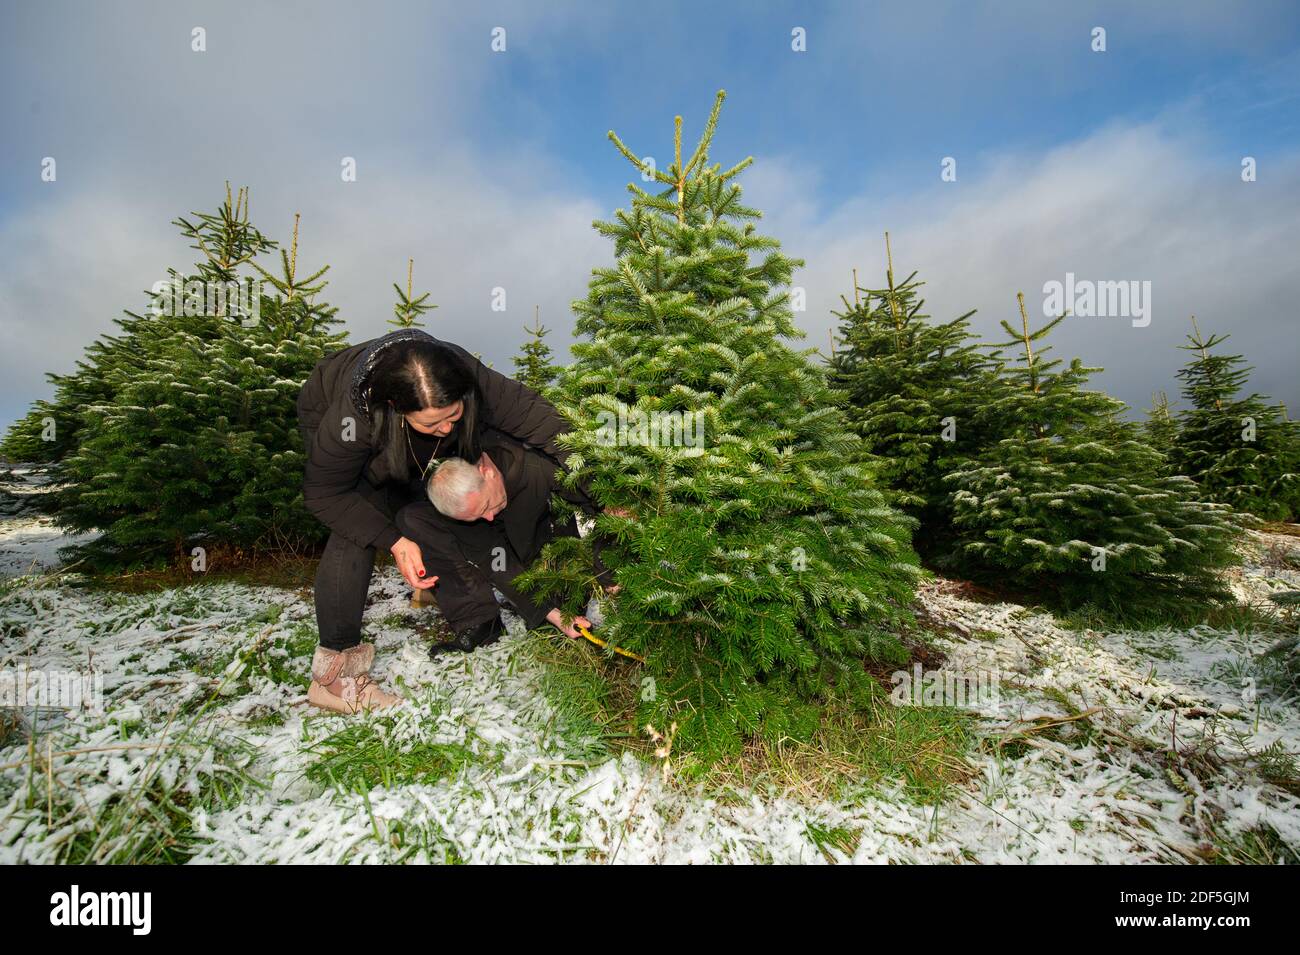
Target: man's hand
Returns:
[406, 553]
[571, 631]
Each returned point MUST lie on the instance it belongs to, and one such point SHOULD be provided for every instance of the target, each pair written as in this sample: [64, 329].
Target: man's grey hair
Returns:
[451, 482]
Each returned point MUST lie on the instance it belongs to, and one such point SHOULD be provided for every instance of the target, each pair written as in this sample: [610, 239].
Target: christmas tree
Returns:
[533, 363]
[196, 442]
[920, 393]
[409, 306]
[758, 563]
[1241, 450]
[1076, 503]
[1161, 427]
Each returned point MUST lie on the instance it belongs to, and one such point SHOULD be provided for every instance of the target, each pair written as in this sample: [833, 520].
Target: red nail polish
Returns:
[421, 573]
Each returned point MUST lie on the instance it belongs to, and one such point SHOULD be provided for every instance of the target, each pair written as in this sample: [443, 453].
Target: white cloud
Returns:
[74, 264]
[145, 130]
[1127, 202]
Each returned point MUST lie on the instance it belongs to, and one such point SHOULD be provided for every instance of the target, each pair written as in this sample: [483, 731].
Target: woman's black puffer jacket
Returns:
[336, 392]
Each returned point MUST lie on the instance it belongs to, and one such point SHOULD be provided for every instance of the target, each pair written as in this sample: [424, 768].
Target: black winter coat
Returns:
[336, 391]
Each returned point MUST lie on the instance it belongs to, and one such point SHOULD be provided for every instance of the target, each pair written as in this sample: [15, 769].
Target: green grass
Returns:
[368, 753]
[150, 821]
[424, 622]
[284, 659]
[826, 838]
[1219, 615]
[12, 731]
[414, 840]
[1259, 846]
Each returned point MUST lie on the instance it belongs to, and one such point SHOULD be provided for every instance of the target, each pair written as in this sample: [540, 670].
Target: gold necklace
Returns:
[432, 458]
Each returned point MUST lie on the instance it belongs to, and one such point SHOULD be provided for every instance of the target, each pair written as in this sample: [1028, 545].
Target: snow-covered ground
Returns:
[1115, 748]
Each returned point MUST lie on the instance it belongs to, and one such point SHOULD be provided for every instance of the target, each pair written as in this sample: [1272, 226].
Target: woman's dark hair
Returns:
[413, 376]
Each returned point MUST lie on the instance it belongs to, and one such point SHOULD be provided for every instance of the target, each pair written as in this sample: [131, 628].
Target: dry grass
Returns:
[925, 747]
[223, 565]
[1288, 530]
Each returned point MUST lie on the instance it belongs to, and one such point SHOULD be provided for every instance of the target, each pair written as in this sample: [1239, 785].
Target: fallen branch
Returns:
[1046, 722]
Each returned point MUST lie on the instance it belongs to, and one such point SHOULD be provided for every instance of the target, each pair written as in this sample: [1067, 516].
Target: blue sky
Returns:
[489, 167]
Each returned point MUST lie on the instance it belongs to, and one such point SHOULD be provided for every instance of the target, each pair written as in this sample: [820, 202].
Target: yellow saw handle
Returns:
[602, 643]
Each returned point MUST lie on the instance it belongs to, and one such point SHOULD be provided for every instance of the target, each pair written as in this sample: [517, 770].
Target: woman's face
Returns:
[436, 421]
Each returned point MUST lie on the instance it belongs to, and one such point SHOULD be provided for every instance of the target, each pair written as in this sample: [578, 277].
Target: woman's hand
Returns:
[571, 631]
[406, 553]
[620, 512]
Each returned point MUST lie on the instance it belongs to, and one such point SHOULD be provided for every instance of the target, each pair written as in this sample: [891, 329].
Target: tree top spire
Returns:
[677, 175]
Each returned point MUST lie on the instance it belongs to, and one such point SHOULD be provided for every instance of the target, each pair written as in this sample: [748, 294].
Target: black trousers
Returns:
[468, 560]
[343, 575]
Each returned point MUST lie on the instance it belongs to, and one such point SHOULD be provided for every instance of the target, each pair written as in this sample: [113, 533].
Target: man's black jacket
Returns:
[530, 479]
[464, 554]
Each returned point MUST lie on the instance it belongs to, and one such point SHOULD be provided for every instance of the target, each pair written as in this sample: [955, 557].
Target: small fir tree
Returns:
[533, 363]
[51, 428]
[1241, 450]
[1076, 503]
[919, 393]
[1161, 427]
[409, 306]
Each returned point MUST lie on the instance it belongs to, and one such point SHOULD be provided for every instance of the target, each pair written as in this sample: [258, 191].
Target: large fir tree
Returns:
[1241, 450]
[1074, 501]
[760, 565]
[195, 440]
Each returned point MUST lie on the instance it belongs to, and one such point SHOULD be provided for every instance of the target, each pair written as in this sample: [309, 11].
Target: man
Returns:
[483, 524]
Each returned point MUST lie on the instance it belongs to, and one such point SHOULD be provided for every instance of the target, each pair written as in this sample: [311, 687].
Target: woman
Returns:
[375, 418]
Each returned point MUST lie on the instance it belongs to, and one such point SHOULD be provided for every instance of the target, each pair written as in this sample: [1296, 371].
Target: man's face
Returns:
[486, 504]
